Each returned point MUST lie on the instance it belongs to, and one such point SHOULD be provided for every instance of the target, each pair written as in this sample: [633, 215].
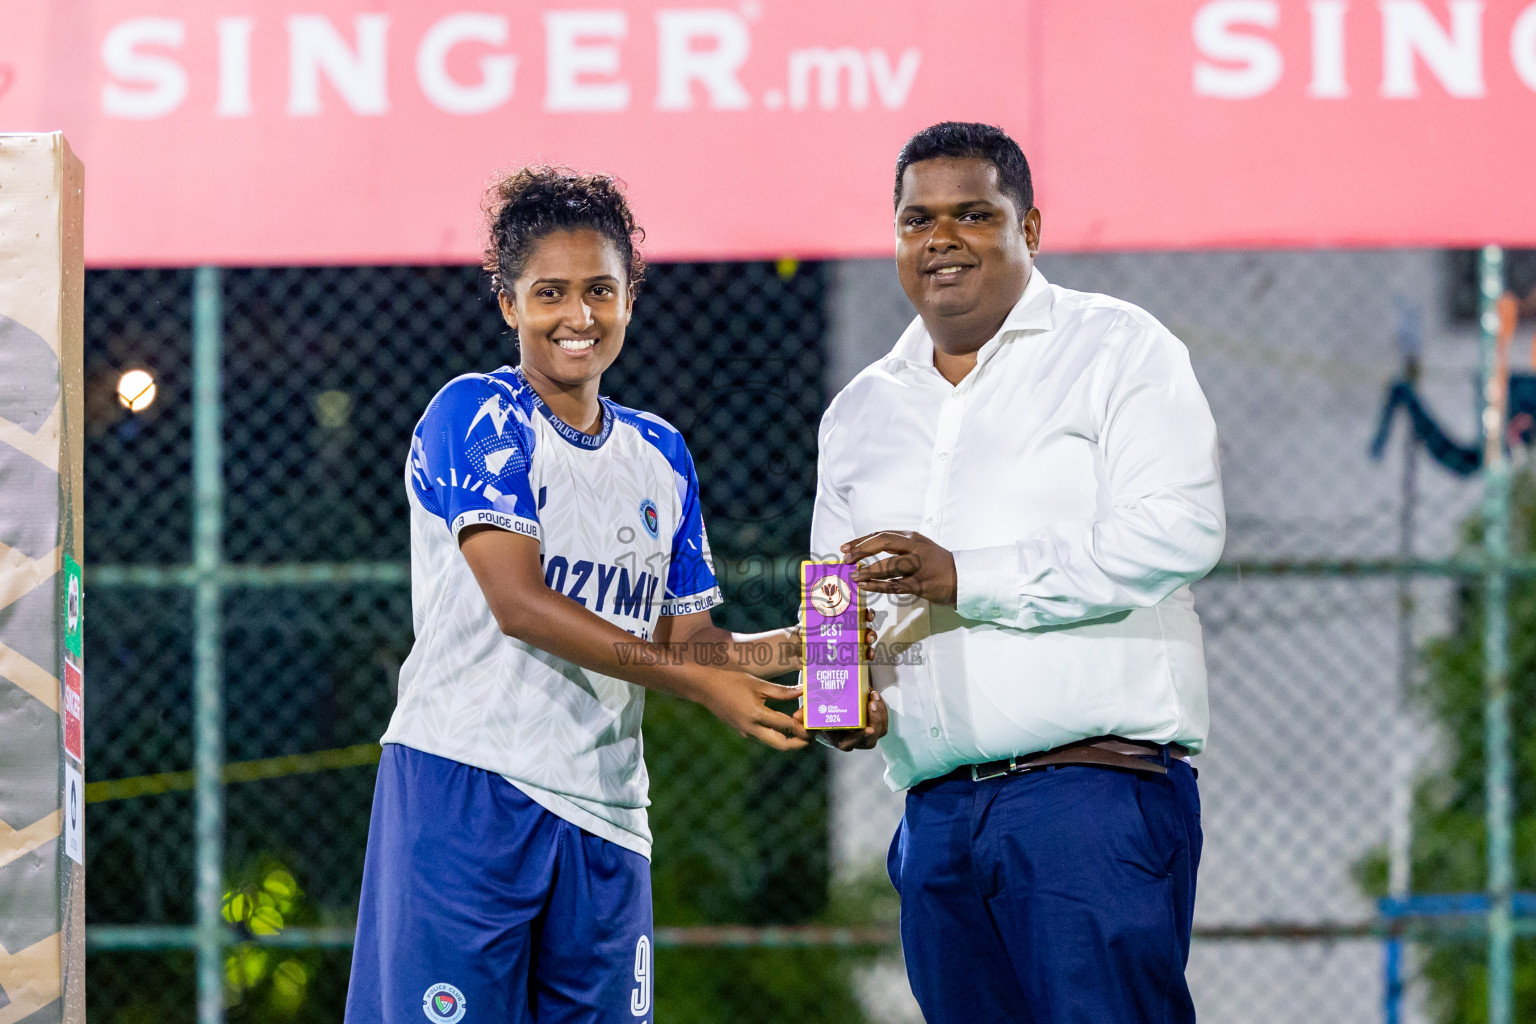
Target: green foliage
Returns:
[740, 830]
[164, 988]
[741, 838]
[1450, 837]
[261, 984]
[736, 986]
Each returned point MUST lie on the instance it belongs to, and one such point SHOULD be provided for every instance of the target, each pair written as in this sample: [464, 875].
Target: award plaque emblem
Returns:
[836, 680]
[830, 596]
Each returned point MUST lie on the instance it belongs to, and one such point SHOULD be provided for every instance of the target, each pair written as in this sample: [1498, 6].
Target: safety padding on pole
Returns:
[42, 407]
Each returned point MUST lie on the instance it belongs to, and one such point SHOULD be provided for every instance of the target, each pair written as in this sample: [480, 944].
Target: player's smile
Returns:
[577, 352]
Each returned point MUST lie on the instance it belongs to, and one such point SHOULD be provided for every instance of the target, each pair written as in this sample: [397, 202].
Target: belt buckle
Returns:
[1013, 766]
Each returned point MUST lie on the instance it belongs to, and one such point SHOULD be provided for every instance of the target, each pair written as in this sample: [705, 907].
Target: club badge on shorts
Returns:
[443, 1003]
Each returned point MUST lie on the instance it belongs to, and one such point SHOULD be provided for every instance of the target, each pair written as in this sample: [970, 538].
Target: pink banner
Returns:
[324, 131]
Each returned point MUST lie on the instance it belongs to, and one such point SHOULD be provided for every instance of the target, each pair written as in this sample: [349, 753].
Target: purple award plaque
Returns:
[834, 670]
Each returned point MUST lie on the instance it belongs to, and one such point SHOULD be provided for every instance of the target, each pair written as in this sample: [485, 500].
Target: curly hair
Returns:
[533, 202]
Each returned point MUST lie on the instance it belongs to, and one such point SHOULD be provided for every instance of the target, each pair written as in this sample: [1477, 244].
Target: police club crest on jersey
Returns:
[650, 518]
[443, 1002]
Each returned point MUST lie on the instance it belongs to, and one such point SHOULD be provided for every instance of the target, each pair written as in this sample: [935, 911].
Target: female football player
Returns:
[557, 547]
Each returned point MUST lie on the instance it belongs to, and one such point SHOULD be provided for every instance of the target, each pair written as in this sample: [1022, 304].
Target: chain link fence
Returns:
[1328, 756]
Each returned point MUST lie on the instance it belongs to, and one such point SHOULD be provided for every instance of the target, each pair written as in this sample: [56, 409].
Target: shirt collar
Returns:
[580, 438]
[1031, 313]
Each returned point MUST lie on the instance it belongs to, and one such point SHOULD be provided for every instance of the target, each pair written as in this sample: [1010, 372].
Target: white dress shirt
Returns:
[1073, 474]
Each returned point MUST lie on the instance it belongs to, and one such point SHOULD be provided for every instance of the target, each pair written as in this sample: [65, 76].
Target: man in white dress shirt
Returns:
[1033, 471]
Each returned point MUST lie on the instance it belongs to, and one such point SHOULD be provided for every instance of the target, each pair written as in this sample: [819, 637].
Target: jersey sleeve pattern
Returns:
[470, 457]
[691, 583]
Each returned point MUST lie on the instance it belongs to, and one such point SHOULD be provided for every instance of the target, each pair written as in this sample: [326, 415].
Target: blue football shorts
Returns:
[479, 905]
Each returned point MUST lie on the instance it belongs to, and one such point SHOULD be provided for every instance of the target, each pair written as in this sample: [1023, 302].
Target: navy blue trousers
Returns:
[1060, 896]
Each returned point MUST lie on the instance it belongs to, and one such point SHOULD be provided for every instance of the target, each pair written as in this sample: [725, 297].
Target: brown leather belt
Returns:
[1102, 751]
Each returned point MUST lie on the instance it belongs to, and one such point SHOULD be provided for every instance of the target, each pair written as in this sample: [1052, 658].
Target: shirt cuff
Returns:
[985, 583]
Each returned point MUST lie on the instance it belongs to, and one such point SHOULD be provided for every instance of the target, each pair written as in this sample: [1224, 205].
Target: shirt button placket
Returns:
[951, 415]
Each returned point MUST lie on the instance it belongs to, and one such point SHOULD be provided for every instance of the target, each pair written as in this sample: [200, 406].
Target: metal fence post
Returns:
[1400, 821]
[1496, 513]
[208, 685]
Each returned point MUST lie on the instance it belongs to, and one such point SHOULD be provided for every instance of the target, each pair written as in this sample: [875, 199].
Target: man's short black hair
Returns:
[969, 139]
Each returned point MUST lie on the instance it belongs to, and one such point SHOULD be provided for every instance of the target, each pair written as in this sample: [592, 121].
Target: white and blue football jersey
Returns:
[620, 531]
